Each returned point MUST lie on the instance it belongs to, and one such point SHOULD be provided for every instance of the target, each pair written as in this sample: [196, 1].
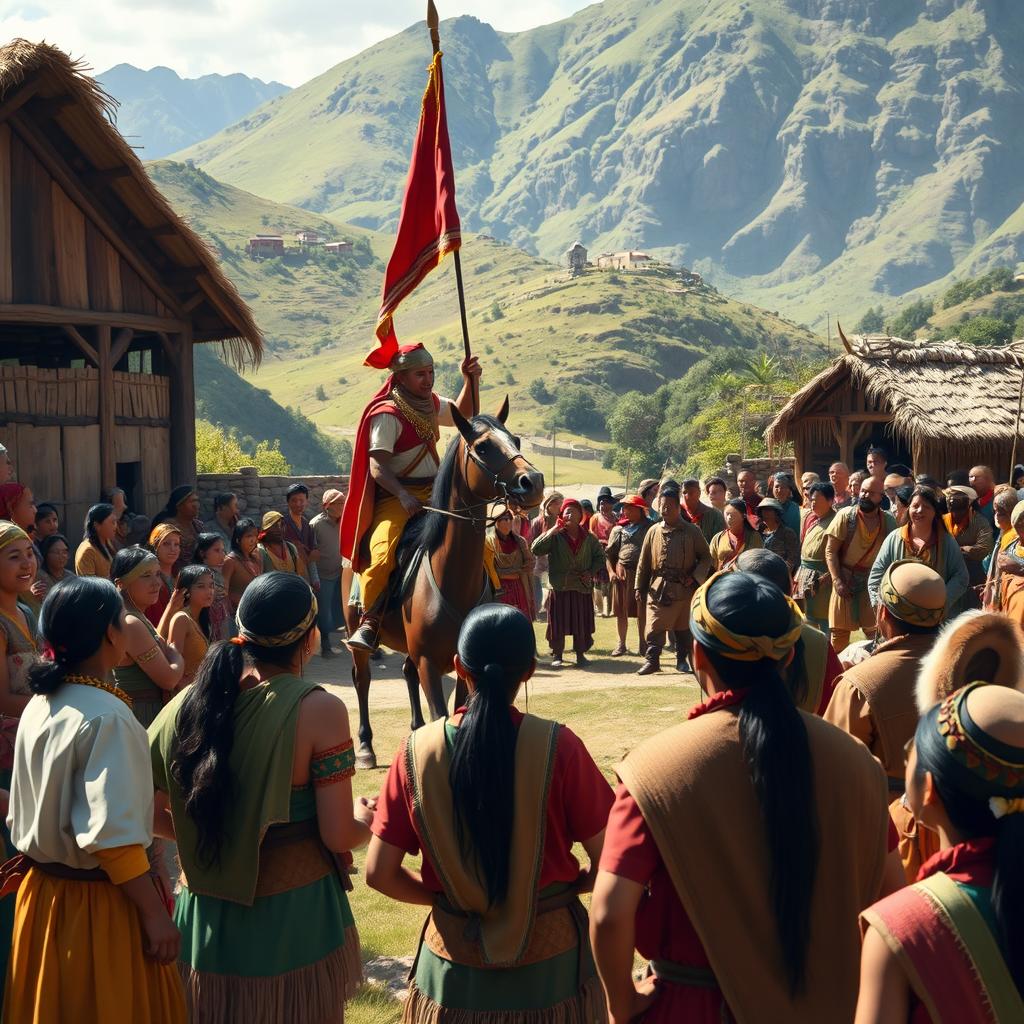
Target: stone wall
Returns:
[258, 494]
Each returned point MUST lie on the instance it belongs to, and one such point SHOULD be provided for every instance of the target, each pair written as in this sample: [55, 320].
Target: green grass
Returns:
[597, 715]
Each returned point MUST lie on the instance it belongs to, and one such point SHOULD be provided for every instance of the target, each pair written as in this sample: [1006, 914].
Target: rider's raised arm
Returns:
[470, 387]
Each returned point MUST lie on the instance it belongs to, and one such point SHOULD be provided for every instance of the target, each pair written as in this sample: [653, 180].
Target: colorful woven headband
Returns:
[9, 533]
[901, 606]
[282, 639]
[160, 533]
[710, 633]
[139, 568]
[964, 757]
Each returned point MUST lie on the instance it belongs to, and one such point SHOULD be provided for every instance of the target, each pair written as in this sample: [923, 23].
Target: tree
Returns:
[538, 391]
[633, 425]
[220, 452]
[985, 330]
[496, 312]
[321, 394]
[872, 322]
[575, 410]
[912, 319]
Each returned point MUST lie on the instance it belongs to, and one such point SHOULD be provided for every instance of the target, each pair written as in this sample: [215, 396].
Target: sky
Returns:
[289, 41]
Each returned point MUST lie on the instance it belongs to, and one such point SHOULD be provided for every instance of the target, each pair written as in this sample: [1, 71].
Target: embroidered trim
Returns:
[334, 765]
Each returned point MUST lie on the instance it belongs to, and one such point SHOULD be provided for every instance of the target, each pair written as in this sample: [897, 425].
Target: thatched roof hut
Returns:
[934, 405]
[103, 291]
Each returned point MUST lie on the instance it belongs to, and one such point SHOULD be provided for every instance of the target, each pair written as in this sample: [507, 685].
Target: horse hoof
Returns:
[365, 757]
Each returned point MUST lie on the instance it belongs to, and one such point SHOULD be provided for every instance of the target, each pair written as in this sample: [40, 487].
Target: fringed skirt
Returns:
[555, 982]
[570, 613]
[293, 956]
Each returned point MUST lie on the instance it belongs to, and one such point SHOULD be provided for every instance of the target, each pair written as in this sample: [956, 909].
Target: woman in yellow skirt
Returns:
[93, 940]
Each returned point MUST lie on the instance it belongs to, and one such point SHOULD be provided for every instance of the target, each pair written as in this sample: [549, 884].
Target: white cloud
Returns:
[269, 39]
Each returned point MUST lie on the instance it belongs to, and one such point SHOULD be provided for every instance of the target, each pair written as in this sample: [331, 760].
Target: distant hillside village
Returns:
[578, 262]
[262, 247]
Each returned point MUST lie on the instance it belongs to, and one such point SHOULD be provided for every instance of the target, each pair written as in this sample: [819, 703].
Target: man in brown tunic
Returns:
[622, 552]
[874, 700]
[674, 561]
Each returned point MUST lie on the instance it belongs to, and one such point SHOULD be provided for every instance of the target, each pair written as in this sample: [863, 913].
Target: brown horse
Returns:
[430, 602]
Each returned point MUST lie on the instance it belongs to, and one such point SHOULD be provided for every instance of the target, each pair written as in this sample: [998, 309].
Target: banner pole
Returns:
[433, 24]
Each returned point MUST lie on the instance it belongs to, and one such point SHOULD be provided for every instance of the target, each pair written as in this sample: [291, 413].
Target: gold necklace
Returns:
[100, 685]
[425, 424]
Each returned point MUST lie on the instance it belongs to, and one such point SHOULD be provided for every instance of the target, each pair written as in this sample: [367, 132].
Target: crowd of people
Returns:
[835, 831]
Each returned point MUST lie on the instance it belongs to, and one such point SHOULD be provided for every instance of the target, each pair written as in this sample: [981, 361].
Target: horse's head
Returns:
[494, 467]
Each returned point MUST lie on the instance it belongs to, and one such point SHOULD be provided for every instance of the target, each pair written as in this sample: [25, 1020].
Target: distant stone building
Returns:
[264, 246]
[628, 260]
[337, 248]
[690, 278]
[308, 239]
[576, 259]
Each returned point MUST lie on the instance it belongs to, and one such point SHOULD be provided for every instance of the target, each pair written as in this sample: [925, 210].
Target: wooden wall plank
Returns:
[39, 454]
[69, 250]
[32, 251]
[6, 265]
[128, 444]
[104, 271]
[81, 449]
[136, 294]
[156, 468]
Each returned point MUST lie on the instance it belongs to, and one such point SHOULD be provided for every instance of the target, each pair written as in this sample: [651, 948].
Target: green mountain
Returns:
[159, 112]
[809, 155]
[536, 330]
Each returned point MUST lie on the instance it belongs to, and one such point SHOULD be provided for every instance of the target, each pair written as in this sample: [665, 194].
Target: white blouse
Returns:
[82, 779]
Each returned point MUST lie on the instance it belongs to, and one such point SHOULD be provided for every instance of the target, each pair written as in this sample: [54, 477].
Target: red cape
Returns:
[359, 506]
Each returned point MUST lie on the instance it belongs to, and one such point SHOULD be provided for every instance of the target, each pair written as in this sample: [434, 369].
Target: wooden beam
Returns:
[51, 106]
[142, 421]
[38, 420]
[19, 98]
[108, 457]
[58, 316]
[183, 413]
[190, 303]
[845, 448]
[121, 344]
[168, 346]
[867, 417]
[211, 290]
[86, 349]
[101, 177]
[68, 180]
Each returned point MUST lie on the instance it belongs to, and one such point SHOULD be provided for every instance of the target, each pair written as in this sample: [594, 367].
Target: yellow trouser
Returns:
[389, 519]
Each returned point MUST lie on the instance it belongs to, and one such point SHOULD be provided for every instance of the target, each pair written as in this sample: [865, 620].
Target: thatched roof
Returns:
[78, 113]
[936, 391]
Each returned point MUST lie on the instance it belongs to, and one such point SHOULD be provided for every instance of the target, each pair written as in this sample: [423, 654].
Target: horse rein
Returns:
[495, 481]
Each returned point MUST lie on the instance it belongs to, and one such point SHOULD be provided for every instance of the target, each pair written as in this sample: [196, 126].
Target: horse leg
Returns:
[412, 681]
[365, 756]
[430, 680]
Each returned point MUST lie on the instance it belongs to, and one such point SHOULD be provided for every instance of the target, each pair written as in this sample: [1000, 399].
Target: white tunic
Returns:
[385, 430]
[82, 780]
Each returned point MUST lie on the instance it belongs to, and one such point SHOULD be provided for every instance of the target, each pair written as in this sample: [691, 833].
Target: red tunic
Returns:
[578, 805]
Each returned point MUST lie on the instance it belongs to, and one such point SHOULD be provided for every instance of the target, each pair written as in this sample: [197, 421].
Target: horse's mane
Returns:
[427, 531]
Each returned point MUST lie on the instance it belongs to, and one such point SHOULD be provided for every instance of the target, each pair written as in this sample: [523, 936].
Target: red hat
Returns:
[568, 503]
[635, 499]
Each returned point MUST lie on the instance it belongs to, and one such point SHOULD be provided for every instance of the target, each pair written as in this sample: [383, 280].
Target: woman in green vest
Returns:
[255, 765]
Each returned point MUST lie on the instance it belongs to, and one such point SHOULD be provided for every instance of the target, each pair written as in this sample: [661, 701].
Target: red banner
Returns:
[429, 226]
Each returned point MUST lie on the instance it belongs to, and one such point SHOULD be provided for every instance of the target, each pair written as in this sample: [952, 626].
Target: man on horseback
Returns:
[394, 462]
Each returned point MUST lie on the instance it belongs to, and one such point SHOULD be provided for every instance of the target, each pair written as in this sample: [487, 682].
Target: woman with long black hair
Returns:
[94, 554]
[743, 842]
[92, 937]
[188, 631]
[951, 947]
[506, 936]
[255, 765]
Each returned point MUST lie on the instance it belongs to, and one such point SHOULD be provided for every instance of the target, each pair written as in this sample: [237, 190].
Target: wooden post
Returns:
[108, 457]
[183, 412]
[845, 451]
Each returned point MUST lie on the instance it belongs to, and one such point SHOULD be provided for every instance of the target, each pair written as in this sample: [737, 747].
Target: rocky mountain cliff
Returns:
[161, 112]
[806, 154]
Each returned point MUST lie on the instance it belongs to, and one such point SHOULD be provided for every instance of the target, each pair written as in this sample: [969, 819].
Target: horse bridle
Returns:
[496, 483]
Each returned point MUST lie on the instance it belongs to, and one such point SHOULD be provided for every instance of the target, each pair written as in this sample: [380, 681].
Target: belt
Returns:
[808, 563]
[13, 871]
[684, 974]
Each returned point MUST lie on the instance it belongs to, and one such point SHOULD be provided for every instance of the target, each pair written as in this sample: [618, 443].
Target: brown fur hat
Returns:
[976, 646]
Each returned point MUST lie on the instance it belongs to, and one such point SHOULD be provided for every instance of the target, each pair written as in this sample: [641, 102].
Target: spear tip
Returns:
[432, 19]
